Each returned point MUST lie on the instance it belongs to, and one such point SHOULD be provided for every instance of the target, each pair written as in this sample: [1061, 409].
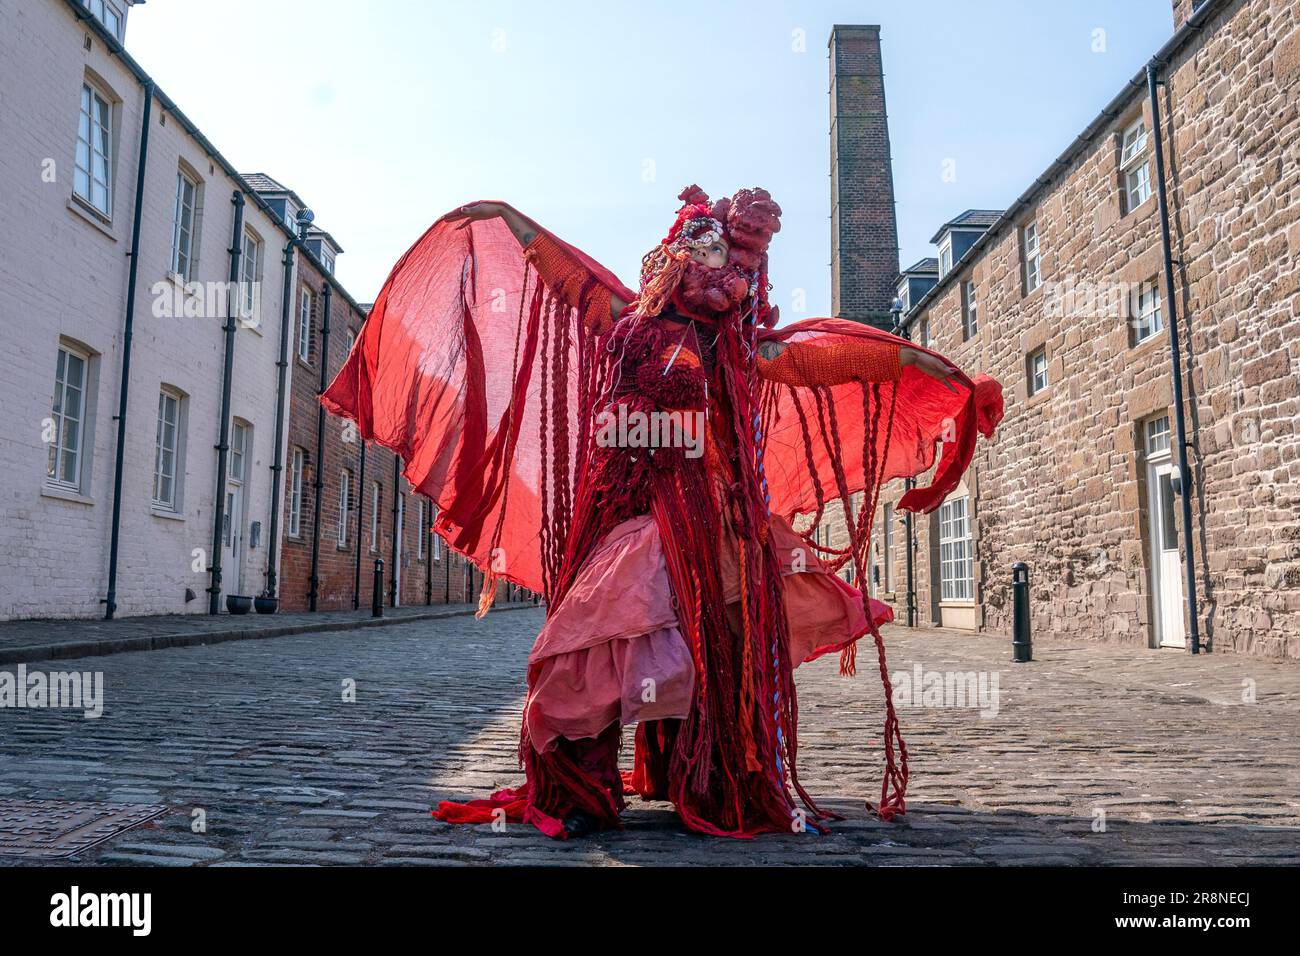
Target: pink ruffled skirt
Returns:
[612, 651]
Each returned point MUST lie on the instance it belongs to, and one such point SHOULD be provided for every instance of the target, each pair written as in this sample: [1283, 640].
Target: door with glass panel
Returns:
[1164, 556]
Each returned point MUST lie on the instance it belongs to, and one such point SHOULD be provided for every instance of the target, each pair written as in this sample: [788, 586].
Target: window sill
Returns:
[161, 511]
[1038, 397]
[1142, 208]
[1148, 343]
[66, 494]
[966, 604]
[93, 217]
[295, 539]
[306, 365]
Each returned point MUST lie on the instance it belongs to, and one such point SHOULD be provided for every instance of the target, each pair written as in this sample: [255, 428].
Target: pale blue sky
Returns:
[590, 117]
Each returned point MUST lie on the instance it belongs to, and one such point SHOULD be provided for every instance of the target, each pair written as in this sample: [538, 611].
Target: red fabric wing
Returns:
[926, 416]
[448, 372]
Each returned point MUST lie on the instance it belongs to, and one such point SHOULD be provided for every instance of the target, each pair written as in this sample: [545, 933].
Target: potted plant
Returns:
[266, 603]
[238, 603]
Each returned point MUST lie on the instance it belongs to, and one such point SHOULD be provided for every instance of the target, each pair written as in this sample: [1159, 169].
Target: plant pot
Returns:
[265, 605]
[239, 603]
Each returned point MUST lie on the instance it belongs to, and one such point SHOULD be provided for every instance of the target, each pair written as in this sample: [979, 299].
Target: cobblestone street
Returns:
[1160, 747]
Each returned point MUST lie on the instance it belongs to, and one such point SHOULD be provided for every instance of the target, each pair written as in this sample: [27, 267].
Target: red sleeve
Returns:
[811, 364]
[566, 277]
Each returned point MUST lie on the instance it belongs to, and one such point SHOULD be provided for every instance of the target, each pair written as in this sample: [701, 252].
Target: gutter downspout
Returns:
[326, 305]
[1184, 473]
[361, 509]
[393, 569]
[233, 302]
[277, 470]
[110, 599]
[426, 533]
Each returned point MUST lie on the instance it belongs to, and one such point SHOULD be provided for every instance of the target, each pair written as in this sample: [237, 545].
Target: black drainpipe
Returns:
[110, 600]
[277, 470]
[227, 374]
[326, 304]
[361, 510]
[1184, 473]
[427, 534]
[397, 495]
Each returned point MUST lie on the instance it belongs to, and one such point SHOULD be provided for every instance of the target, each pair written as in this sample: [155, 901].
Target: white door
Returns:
[232, 539]
[1166, 560]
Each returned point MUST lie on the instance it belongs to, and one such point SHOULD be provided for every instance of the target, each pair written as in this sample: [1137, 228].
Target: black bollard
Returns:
[377, 593]
[1022, 650]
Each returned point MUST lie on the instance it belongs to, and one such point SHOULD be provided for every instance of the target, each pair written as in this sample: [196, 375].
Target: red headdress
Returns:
[747, 221]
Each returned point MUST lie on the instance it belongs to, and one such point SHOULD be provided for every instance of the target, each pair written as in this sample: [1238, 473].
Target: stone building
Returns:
[1064, 299]
[144, 525]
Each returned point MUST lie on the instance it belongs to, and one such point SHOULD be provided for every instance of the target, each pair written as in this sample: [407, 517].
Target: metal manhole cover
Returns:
[59, 828]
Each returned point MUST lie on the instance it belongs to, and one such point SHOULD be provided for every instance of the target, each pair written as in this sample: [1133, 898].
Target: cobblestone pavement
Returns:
[1160, 747]
[37, 640]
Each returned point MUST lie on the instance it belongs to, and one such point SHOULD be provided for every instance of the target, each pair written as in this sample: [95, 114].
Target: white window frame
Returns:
[376, 499]
[1037, 370]
[945, 256]
[55, 475]
[436, 545]
[1135, 169]
[1148, 317]
[238, 450]
[956, 554]
[888, 517]
[1156, 435]
[184, 234]
[424, 531]
[93, 163]
[970, 311]
[168, 399]
[101, 10]
[1033, 256]
[304, 326]
[250, 266]
[297, 464]
[345, 505]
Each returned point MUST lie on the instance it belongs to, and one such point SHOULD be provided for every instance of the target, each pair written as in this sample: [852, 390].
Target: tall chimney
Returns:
[864, 232]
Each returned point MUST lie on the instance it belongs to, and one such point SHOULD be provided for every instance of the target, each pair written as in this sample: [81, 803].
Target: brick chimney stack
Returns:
[864, 232]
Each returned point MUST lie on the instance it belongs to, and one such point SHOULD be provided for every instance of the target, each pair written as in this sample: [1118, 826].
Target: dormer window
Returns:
[905, 295]
[945, 258]
[107, 13]
[327, 260]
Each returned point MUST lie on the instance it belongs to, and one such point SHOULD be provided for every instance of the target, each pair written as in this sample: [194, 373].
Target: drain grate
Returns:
[59, 828]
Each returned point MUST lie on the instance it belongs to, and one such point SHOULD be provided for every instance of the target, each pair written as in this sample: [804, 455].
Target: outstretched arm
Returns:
[551, 260]
[808, 364]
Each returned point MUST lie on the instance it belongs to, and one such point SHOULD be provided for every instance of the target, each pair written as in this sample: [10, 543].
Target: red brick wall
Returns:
[337, 564]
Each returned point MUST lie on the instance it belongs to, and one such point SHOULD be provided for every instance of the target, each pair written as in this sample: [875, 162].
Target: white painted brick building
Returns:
[65, 236]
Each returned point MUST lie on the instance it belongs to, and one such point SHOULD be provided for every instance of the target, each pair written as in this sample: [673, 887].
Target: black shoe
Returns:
[578, 823]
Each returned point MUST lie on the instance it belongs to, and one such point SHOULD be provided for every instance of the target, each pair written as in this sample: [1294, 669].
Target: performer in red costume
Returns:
[679, 596]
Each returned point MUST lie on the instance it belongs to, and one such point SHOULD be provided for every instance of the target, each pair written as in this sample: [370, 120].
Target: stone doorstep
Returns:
[66, 650]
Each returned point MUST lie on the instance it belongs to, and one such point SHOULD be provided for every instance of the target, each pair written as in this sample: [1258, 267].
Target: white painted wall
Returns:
[63, 275]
